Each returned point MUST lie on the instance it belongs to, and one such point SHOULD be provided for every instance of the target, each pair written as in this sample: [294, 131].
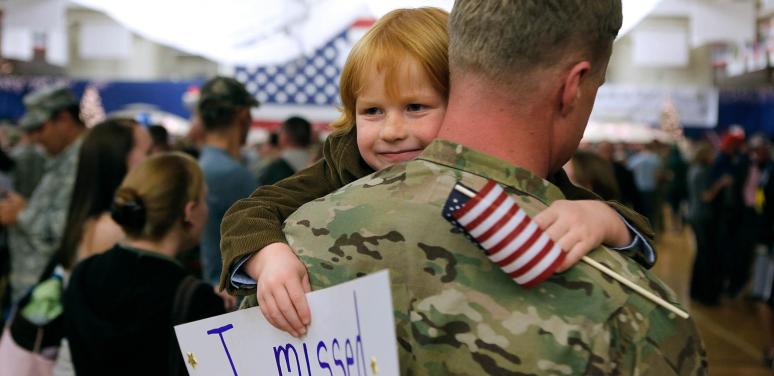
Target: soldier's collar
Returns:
[459, 157]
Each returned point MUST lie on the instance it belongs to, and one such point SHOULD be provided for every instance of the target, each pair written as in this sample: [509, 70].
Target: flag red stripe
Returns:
[475, 200]
[488, 212]
[499, 224]
[513, 256]
[535, 260]
[510, 237]
[547, 273]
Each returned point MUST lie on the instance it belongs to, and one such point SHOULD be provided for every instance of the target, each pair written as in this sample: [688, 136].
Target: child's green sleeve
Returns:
[256, 221]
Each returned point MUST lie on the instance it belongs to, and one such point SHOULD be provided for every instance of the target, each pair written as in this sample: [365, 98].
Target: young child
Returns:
[394, 89]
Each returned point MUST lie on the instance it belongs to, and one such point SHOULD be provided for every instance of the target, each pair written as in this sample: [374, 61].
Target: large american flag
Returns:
[311, 80]
[307, 86]
[510, 238]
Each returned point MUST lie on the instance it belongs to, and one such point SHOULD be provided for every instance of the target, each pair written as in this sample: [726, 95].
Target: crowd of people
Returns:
[147, 211]
[723, 189]
[115, 233]
[720, 189]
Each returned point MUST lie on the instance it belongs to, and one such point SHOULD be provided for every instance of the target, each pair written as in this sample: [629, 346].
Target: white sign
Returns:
[352, 333]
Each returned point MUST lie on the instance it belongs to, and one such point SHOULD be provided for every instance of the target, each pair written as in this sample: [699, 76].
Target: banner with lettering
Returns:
[352, 333]
[696, 106]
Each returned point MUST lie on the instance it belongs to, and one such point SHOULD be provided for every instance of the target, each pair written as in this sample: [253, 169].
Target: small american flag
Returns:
[510, 238]
[513, 241]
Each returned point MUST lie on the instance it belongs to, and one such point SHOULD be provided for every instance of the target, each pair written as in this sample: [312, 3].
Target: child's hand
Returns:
[580, 226]
[282, 282]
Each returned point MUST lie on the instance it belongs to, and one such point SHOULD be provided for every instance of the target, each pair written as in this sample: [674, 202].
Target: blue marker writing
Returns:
[325, 365]
[219, 332]
[353, 353]
[359, 340]
[306, 355]
[335, 359]
[279, 350]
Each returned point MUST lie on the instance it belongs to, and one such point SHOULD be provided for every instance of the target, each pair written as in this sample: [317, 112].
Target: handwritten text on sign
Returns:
[352, 333]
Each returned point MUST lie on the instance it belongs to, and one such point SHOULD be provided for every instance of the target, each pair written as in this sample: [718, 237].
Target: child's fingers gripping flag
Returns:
[511, 239]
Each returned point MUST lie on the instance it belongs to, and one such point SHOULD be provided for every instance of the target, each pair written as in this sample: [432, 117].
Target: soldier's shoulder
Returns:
[390, 186]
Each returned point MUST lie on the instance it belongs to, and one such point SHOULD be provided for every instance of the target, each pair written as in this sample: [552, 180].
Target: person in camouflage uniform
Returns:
[457, 312]
[516, 113]
[36, 226]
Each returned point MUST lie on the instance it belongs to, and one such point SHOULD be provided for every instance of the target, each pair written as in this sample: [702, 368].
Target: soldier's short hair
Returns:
[506, 39]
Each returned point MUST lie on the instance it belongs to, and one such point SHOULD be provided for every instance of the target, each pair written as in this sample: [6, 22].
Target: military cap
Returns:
[43, 104]
[226, 92]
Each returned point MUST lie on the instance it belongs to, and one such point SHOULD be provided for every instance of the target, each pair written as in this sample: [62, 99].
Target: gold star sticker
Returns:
[192, 360]
[374, 366]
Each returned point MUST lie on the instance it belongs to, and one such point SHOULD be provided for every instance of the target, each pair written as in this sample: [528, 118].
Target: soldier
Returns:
[36, 226]
[516, 112]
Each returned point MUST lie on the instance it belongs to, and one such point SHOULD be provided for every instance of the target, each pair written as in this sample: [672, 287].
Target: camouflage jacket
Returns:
[40, 226]
[456, 312]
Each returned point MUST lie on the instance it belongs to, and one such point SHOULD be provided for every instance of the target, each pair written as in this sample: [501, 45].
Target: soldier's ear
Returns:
[571, 89]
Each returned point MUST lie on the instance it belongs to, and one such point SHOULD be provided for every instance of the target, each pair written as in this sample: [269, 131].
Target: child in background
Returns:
[394, 89]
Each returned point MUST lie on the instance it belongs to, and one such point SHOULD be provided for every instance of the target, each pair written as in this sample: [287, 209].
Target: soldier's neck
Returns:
[479, 118]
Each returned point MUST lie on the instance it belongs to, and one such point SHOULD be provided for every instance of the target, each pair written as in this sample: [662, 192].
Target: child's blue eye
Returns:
[414, 107]
[372, 111]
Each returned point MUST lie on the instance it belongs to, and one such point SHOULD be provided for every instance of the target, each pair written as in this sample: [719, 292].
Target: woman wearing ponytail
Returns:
[121, 306]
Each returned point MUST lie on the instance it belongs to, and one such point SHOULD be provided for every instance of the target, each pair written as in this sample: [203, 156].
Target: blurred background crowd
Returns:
[91, 92]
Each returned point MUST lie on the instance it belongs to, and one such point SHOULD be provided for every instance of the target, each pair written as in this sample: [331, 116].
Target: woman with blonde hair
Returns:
[126, 301]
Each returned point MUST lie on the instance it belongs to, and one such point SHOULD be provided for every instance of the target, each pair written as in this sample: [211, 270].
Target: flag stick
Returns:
[604, 269]
[653, 297]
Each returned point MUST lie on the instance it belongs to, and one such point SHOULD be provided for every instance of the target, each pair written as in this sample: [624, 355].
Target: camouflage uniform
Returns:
[456, 312]
[40, 226]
